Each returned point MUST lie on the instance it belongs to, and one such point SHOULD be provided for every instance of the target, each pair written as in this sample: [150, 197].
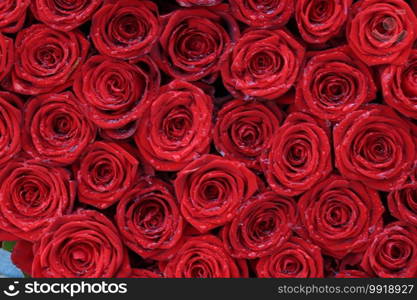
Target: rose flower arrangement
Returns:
[209, 138]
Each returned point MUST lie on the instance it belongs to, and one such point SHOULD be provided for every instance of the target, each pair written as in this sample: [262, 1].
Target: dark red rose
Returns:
[194, 42]
[64, 15]
[12, 15]
[22, 256]
[263, 64]
[402, 203]
[46, 59]
[261, 226]
[399, 85]
[393, 252]
[55, 130]
[381, 32]
[31, 195]
[320, 20]
[262, 13]
[333, 84]
[105, 173]
[296, 258]
[204, 257]
[188, 3]
[126, 29]
[143, 273]
[6, 55]
[10, 126]
[299, 156]
[149, 218]
[340, 216]
[244, 128]
[352, 274]
[211, 189]
[113, 92]
[84, 245]
[375, 146]
[176, 127]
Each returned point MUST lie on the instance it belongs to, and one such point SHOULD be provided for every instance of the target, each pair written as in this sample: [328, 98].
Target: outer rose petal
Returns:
[22, 256]
[352, 274]
[55, 130]
[188, 3]
[143, 273]
[175, 128]
[82, 245]
[393, 252]
[382, 32]
[296, 258]
[340, 216]
[6, 55]
[12, 15]
[211, 189]
[402, 203]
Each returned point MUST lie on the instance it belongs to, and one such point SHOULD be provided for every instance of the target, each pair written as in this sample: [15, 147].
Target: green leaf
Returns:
[8, 246]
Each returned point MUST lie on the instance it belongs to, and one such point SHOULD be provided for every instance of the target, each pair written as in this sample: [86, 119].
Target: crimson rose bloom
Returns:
[12, 15]
[112, 92]
[143, 273]
[175, 128]
[204, 257]
[340, 216]
[83, 245]
[402, 203]
[261, 226]
[125, 29]
[375, 146]
[244, 128]
[299, 156]
[46, 59]
[149, 219]
[211, 189]
[264, 64]
[334, 83]
[382, 32]
[262, 13]
[31, 195]
[6, 55]
[318, 21]
[393, 252]
[55, 130]
[188, 3]
[296, 258]
[399, 86]
[194, 42]
[105, 172]
[64, 15]
[10, 126]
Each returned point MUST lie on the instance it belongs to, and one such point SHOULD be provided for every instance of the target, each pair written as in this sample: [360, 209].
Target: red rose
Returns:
[262, 13]
[149, 219]
[126, 29]
[375, 146]
[204, 257]
[6, 56]
[12, 15]
[261, 226]
[319, 21]
[393, 252]
[188, 3]
[46, 59]
[55, 130]
[244, 128]
[175, 128]
[340, 216]
[64, 15]
[105, 173]
[296, 258]
[83, 245]
[10, 126]
[22, 256]
[263, 64]
[31, 195]
[334, 83]
[194, 42]
[211, 189]
[112, 92]
[402, 203]
[143, 273]
[399, 86]
[382, 32]
[299, 156]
